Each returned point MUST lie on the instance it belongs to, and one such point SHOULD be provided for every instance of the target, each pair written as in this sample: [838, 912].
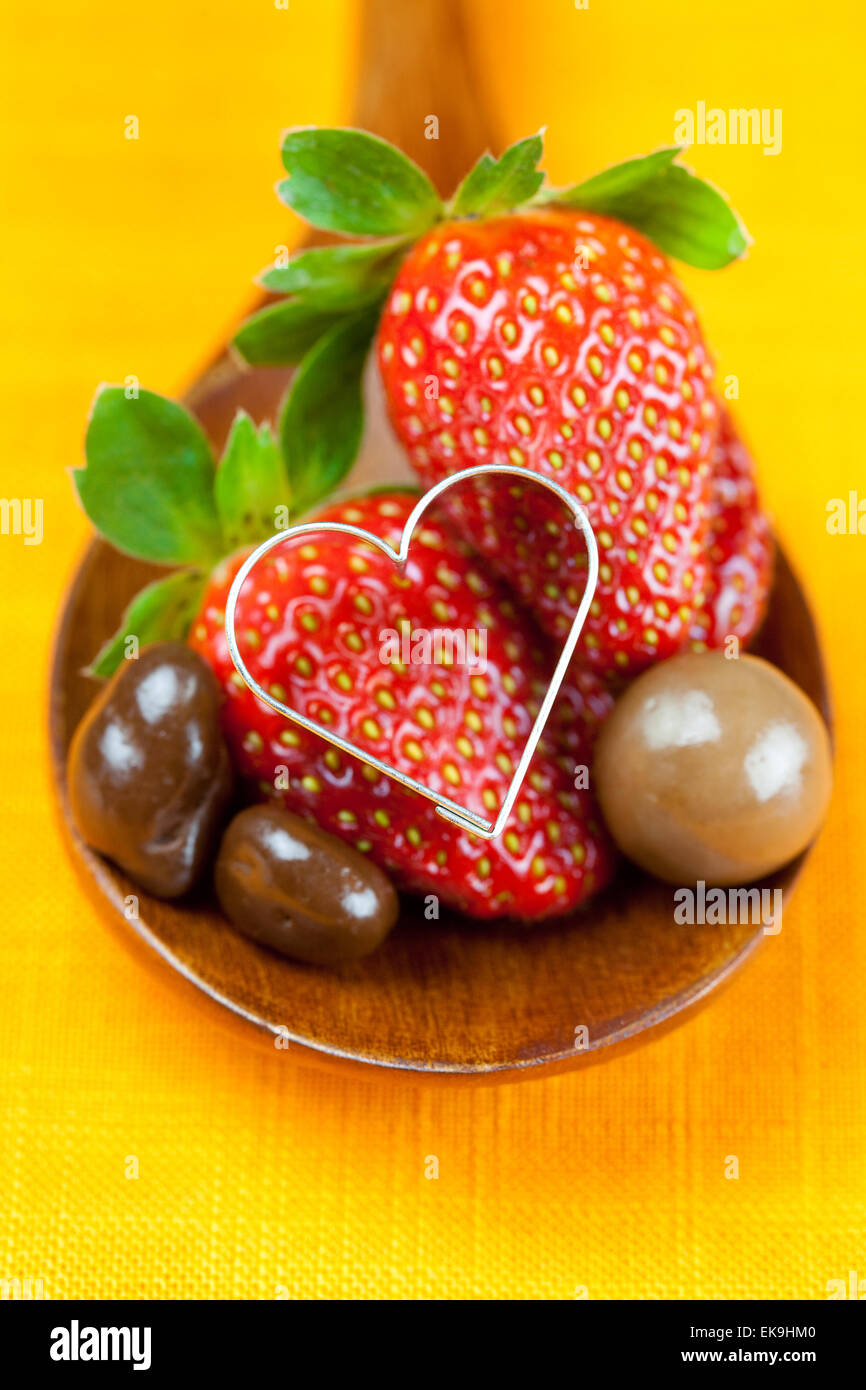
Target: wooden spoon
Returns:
[451, 997]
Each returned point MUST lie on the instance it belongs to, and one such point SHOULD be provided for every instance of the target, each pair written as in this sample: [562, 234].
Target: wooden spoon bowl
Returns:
[450, 997]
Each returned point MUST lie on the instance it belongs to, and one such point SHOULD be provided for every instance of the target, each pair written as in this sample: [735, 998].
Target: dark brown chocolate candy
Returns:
[713, 768]
[294, 887]
[149, 774]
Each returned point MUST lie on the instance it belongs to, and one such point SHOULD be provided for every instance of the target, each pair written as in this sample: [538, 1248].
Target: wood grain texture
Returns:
[448, 998]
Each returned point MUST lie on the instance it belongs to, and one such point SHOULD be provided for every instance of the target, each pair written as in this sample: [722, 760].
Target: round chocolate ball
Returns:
[713, 768]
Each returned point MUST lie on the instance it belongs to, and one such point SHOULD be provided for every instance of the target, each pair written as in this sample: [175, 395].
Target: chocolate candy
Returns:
[713, 768]
[149, 774]
[296, 888]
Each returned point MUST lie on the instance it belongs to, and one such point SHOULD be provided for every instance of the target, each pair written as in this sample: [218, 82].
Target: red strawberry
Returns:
[597, 377]
[310, 624]
[739, 550]
[583, 704]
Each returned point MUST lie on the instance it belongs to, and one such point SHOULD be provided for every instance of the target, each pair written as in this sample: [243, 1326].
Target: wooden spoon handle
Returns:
[414, 67]
[415, 71]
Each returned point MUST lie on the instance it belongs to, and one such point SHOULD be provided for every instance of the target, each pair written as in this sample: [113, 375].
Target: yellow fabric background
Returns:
[255, 1175]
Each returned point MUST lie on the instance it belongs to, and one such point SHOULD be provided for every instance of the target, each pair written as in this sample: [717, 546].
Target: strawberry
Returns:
[310, 626]
[519, 324]
[739, 549]
[597, 377]
[582, 706]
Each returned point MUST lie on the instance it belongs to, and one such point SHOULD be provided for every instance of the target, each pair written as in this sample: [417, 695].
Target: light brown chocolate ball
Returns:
[713, 768]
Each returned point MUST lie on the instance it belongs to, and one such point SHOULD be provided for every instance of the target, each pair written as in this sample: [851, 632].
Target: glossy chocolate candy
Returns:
[149, 775]
[713, 768]
[294, 887]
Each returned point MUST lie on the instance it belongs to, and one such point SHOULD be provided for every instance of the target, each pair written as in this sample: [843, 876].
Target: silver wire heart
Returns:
[448, 809]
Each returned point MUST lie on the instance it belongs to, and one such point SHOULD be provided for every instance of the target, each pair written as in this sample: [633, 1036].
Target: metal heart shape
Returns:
[446, 808]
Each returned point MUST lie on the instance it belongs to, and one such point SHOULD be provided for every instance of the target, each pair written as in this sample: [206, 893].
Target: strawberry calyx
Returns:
[495, 186]
[356, 185]
[152, 488]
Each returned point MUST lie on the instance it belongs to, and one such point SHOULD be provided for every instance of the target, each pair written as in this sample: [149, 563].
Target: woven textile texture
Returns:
[258, 1178]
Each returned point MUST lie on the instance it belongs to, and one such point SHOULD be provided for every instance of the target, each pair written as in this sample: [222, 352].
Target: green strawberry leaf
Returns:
[352, 182]
[161, 612]
[282, 334]
[498, 185]
[250, 483]
[683, 214]
[148, 483]
[339, 274]
[322, 419]
[619, 179]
